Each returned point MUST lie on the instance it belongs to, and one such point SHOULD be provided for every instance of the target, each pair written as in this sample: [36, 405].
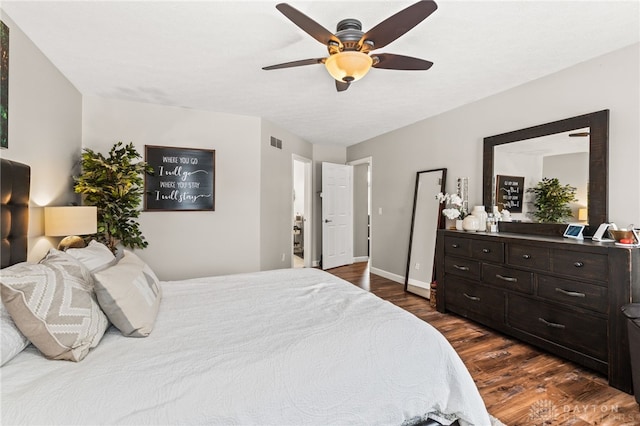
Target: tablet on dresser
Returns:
[574, 231]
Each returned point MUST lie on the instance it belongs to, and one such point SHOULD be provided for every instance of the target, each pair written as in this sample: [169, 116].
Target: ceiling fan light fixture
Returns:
[348, 66]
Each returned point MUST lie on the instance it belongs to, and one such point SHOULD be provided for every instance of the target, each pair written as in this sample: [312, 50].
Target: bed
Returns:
[283, 347]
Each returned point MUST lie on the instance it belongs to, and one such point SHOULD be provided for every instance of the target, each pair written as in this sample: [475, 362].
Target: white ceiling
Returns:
[554, 144]
[208, 55]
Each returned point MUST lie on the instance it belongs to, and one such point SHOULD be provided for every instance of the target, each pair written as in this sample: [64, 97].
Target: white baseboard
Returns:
[420, 291]
[412, 287]
[316, 263]
[388, 275]
[418, 283]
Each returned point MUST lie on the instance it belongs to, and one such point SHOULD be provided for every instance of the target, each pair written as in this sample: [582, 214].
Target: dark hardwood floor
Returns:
[520, 384]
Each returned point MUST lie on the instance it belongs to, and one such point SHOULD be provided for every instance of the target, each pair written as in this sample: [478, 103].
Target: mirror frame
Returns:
[439, 225]
[598, 123]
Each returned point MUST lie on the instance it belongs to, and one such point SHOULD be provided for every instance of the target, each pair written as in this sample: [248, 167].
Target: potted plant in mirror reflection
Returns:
[551, 200]
[454, 208]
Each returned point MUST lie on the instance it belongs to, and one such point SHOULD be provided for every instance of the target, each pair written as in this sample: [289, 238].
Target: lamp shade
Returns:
[70, 220]
[348, 66]
[582, 214]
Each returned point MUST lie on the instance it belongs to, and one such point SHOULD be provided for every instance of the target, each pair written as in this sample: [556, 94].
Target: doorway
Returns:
[301, 213]
[362, 172]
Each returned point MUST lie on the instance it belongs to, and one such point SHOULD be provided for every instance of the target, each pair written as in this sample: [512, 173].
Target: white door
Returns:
[337, 215]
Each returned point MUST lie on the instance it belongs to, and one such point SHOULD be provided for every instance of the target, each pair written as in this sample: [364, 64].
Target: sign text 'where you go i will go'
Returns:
[183, 179]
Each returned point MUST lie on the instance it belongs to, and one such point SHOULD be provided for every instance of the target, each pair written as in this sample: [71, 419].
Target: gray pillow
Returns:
[129, 293]
[54, 306]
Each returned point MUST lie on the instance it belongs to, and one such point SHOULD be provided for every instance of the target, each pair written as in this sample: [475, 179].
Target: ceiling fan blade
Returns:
[308, 25]
[341, 86]
[395, 26]
[390, 61]
[295, 64]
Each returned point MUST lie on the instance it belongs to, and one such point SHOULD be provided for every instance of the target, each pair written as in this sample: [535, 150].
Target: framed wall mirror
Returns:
[426, 219]
[574, 149]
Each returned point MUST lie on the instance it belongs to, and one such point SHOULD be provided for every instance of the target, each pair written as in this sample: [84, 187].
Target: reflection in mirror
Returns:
[426, 219]
[593, 206]
[563, 155]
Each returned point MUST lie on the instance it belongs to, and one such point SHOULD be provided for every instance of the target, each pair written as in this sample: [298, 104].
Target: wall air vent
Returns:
[276, 143]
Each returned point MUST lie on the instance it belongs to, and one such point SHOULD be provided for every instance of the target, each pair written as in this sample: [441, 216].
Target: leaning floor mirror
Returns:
[426, 219]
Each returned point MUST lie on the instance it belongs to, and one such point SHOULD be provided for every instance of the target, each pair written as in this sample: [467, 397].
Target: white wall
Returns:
[276, 204]
[45, 125]
[524, 165]
[361, 210]
[298, 188]
[191, 244]
[454, 140]
[570, 169]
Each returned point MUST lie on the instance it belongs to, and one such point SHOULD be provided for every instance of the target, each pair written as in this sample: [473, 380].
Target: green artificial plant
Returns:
[552, 200]
[115, 185]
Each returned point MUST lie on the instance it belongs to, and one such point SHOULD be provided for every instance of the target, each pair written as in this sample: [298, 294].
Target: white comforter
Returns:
[286, 347]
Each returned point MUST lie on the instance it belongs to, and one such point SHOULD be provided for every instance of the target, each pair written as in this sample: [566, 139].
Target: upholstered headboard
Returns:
[15, 179]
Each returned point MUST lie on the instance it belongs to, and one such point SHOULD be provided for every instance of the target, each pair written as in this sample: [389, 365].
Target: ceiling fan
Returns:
[349, 47]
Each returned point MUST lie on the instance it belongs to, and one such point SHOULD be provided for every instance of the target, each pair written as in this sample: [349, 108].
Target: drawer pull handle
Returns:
[570, 293]
[461, 268]
[486, 250]
[474, 298]
[551, 324]
[510, 279]
[455, 245]
[526, 256]
[578, 264]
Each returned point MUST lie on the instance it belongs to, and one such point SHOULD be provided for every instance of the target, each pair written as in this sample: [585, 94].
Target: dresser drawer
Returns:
[580, 332]
[467, 268]
[471, 299]
[529, 257]
[508, 278]
[457, 246]
[573, 293]
[492, 251]
[591, 266]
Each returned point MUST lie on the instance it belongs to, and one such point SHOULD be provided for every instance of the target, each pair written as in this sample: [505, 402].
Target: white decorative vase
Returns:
[481, 214]
[470, 223]
[459, 225]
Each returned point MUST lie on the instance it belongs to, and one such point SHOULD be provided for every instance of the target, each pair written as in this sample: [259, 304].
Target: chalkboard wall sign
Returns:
[509, 193]
[183, 179]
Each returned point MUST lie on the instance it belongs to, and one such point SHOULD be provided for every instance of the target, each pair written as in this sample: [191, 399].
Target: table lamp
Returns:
[583, 214]
[69, 222]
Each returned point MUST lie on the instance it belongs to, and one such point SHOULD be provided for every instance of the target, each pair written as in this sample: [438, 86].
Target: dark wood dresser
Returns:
[559, 294]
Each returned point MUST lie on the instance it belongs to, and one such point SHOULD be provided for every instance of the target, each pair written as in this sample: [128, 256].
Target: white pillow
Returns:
[129, 293]
[13, 341]
[95, 256]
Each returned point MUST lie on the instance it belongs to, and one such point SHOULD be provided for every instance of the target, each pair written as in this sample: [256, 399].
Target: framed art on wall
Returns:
[4, 85]
[183, 179]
